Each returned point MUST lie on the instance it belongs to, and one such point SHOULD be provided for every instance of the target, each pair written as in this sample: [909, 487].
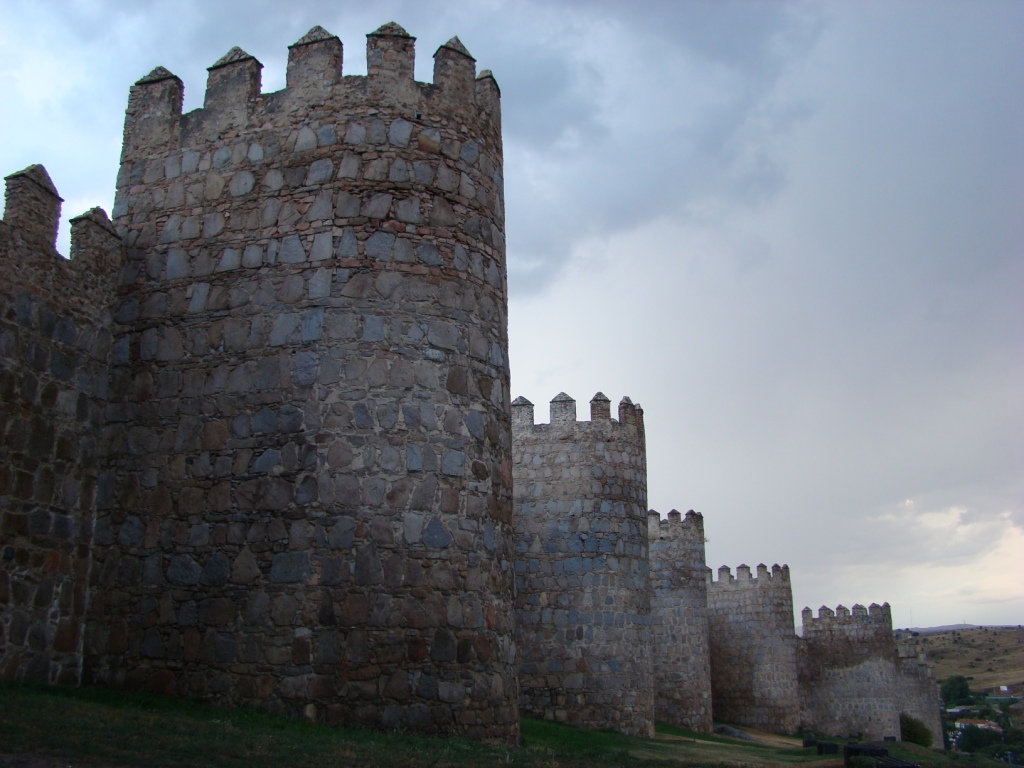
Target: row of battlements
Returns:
[873, 615]
[676, 526]
[32, 215]
[778, 576]
[314, 69]
[563, 412]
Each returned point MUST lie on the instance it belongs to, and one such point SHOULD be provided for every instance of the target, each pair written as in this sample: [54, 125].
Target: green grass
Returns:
[118, 728]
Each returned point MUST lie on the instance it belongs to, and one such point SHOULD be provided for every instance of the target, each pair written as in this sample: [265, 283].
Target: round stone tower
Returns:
[582, 592]
[679, 620]
[310, 497]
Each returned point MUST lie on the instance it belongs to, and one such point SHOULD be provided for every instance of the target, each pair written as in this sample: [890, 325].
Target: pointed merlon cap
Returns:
[391, 54]
[522, 413]
[98, 217]
[391, 29]
[233, 56]
[455, 70]
[32, 206]
[157, 75]
[316, 35]
[600, 396]
[486, 74]
[96, 247]
[455, 45]
[36, 173]
[314, 62]
[563, 410]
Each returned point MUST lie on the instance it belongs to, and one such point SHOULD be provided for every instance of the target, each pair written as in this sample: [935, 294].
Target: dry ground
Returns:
[987, 657]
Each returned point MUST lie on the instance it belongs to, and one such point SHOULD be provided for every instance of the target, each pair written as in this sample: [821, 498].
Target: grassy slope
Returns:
[113, 728]
[973, 652]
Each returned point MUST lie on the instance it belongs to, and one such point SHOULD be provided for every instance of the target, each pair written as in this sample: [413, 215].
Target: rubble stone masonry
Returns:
[258, 446]
[582, 569]
[54, 340]
[292, 422]
[679, 620]
[753, 649]
[854, 680]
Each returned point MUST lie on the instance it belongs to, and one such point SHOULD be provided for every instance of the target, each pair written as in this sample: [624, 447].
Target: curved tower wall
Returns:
[310, 497]
[753, 649]
[679, 620]
[582, 590]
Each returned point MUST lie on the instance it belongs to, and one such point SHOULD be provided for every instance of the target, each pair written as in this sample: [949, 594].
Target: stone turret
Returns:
[753, 648]
[582, 596]
[310, 441]
[679, 620]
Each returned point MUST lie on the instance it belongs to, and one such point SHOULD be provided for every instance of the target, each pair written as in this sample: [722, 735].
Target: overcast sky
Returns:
[793, 232]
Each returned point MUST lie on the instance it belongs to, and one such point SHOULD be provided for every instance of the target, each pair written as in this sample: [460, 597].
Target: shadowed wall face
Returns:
[855, 679]
[310, 481]
[753, 649]
[54, 342]
[679, 620]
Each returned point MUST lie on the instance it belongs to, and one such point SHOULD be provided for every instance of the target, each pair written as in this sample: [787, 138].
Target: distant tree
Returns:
[955, 690]
[972, 739]
[914, 731]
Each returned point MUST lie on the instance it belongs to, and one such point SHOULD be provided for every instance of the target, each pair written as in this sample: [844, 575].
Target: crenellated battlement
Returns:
[676, 527]
[753, 647]
[874, 617]
[234, 100]
[563, 416]
[777, 578]
[82, 283]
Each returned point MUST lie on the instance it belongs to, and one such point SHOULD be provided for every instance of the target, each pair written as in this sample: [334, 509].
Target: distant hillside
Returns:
[987, 656]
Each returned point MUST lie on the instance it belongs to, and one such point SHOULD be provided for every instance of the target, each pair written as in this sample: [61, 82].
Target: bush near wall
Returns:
[914, 731]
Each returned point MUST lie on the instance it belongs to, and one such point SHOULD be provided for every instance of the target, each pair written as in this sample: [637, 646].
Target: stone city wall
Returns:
[54, 338]
[847, 663]
[753, 649]
[258, 446]
[309, 497]
[853, 681]
[679, 620]
[917, 693]
[582, 568]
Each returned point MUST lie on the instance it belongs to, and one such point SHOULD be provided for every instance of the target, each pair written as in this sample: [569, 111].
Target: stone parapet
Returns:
[582, 566]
